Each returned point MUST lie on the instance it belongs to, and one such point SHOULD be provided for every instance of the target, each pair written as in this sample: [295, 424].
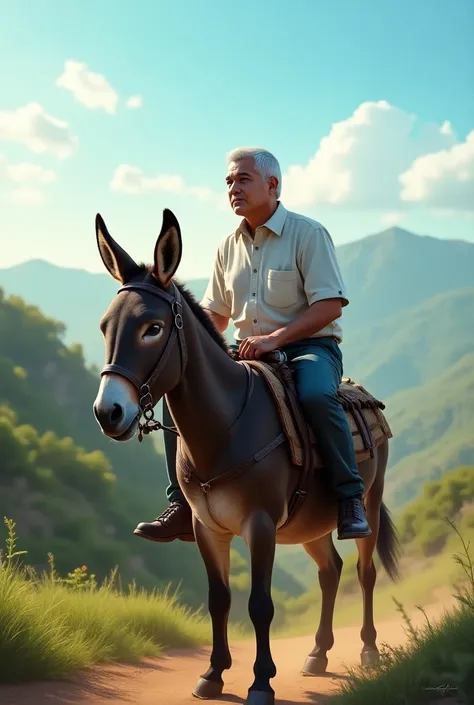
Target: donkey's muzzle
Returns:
[110, 418]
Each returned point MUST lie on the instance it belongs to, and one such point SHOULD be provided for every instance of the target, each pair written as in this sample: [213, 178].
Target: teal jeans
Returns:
[317, 363]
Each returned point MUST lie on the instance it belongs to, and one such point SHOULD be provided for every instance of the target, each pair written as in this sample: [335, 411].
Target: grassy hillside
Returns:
[69, 488]
[48, 388]
[52, 625]
[426, 563]
[437, 664]
[422, 526]
[425, 533]
[414, 346]
[433, 431]
[48, 287]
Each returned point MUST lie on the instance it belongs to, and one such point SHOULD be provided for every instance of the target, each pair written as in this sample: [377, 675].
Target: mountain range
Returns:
[396, 280]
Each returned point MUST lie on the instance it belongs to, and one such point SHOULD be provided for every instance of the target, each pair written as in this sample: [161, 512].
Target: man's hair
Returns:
[265, 163]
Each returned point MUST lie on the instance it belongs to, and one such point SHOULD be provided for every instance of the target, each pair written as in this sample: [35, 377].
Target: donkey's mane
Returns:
[196, 308]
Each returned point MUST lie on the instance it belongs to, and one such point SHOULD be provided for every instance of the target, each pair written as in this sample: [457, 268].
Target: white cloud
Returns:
[392, 218]
[443, 179]
[31, 173]
[134, 102]
[33, 127]
[88, 88]
[379, 158]
[27, 196]
[358, 163]
[27, 177]
[131, 180]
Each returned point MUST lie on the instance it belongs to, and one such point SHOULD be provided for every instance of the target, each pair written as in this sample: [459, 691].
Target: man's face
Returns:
[248, 191]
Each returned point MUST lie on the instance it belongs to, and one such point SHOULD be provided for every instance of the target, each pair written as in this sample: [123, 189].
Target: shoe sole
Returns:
[357, 535]
[188, 538]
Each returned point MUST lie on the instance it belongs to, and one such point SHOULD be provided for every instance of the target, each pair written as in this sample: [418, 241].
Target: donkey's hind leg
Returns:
[367, 575]
[215, 552]
[329, 563]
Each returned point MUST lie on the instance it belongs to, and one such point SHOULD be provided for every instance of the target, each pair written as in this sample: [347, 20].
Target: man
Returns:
[278, 279]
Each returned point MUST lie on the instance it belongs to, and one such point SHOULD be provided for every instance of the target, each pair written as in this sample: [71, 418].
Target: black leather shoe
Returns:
[174, 523]
[352, 522]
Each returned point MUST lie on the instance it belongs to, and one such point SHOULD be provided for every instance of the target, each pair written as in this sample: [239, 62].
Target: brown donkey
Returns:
[234, 463]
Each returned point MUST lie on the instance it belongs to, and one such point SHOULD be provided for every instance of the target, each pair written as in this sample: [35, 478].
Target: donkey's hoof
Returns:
[206, 689]
[260, 697]
[315, 666]
[369, 658]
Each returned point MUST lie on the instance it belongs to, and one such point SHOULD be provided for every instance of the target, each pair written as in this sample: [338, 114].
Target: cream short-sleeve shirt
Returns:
[265, 282]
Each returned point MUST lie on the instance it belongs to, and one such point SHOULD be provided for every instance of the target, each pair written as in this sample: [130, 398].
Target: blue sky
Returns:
[368, 106]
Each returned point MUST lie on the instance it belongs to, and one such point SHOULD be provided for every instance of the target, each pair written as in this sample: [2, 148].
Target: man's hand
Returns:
[255, 346]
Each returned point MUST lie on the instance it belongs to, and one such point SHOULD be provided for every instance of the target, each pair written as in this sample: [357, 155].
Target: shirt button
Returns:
[256, 248]
[254, 320]
[255, 271]
[253, 294]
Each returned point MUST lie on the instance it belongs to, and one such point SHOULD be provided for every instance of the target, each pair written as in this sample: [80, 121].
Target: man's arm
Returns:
[323, 286]
[317, 317]
[221, 322]
[325, 293]
[214, 301]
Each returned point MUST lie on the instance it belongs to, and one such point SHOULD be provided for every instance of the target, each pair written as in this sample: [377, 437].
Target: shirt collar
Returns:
[275, 223]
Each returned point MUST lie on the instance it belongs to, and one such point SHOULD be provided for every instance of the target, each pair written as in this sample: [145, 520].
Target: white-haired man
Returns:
[278, 279]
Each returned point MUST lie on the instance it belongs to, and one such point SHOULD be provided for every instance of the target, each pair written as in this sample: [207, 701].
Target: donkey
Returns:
[233, 461]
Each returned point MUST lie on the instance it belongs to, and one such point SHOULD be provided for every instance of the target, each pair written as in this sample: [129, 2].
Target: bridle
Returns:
[146, 401]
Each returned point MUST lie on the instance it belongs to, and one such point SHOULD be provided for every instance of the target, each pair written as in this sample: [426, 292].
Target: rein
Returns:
[146, 401]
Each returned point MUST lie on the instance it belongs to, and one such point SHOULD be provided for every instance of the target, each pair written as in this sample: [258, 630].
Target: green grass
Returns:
[438, 659]
[52, 626]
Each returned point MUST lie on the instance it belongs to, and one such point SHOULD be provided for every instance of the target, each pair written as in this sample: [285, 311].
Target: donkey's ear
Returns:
[168, 249]
[117, 262]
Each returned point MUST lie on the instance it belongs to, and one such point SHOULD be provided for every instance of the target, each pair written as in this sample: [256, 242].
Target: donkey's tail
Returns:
[388, 544]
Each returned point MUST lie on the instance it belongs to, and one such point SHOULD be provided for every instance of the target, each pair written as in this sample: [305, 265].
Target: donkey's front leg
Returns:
[215, 551]
[259, 533]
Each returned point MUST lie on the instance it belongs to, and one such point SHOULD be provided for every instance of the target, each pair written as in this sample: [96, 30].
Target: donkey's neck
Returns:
[208, 398]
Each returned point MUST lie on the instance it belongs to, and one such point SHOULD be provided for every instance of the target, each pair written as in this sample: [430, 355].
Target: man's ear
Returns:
[273, 184]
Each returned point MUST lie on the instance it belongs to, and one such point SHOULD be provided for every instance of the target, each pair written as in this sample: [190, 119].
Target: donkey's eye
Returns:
[153, 331]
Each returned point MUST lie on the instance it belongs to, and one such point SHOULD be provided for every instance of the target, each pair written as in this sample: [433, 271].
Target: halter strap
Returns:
[145, 388]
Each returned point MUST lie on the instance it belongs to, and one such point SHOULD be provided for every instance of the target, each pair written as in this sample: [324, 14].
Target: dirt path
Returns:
[170, 680]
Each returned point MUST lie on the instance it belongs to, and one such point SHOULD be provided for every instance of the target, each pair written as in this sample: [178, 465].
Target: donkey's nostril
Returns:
[116, 413]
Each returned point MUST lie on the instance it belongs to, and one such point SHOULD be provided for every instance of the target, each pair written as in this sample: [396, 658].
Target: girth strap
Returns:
[188, 470]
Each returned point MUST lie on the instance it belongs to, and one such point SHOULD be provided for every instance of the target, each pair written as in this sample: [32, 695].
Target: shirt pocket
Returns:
[281, 288]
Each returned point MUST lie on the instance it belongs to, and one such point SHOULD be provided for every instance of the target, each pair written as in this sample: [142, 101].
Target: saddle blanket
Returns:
[368, 425]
